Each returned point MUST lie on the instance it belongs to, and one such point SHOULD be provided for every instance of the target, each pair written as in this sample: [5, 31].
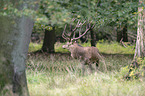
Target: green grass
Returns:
[60, 75]
[34, 46]
[92, 85]
[115, 48]
[104, 47]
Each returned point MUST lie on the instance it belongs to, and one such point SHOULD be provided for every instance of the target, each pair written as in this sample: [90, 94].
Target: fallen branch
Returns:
[121, 41]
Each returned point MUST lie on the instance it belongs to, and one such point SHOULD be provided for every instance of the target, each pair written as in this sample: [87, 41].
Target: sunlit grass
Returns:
[97, 84]
[92, 85]
[58, 47]
[34, 46]
[115, 48]
[49, 80]
[60, 75]
[103, 46]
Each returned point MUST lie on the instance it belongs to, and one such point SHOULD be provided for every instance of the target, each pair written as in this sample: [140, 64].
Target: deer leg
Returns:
[84, 62]
[83, 68]
[97, 65]
[90, 67]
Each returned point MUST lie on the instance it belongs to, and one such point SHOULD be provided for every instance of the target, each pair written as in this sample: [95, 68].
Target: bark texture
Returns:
[122, 34]
[14, 41]
[93, 41]
[49, 41]
[140, 43]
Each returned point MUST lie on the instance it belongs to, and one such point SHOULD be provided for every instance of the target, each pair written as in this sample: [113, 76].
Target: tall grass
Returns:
[60, 75]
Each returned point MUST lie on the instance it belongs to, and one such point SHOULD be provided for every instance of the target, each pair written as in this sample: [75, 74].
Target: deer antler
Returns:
[71, 36]
[64, 33]
[87, 29]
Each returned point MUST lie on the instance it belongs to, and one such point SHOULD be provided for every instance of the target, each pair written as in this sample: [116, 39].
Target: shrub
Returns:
[136, 70]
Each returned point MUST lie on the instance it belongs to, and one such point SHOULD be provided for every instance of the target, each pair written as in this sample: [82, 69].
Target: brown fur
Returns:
[88, 55]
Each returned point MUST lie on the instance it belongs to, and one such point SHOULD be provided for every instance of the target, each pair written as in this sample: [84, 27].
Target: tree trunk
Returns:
[15, 33]
[93, 43]
[119, 34]
[122, 33]
[14, 42]
[140, 43]
[49, 41]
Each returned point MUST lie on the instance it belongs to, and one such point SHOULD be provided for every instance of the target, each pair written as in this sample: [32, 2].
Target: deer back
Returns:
[84, 52]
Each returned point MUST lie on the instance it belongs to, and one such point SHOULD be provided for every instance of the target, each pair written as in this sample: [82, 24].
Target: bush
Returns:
[136, 70]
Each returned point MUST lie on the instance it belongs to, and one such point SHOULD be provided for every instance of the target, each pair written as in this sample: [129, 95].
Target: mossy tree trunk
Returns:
[140, 43]
[14, 42]
[15, 35]
[49, 41]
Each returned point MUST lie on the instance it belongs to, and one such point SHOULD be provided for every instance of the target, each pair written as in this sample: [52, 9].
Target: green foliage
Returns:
[104, 12]
[136, 70]
[18, 8]
[56, 14]
[117, 12]
[108, 15]
[124, 72]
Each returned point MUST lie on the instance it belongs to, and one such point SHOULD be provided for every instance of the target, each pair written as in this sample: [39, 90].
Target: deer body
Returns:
[79, 52]
[87, 55]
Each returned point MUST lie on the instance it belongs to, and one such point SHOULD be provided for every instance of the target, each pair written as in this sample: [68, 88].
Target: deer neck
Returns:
[74, 47]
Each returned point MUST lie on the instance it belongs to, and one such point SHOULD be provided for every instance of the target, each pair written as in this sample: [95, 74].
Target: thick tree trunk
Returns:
[93, 43]
[49, 41]
[15, 35]
[14, 42]
[140, 43]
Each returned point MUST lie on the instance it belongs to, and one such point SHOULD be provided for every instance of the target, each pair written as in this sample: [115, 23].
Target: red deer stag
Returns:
[87, 55]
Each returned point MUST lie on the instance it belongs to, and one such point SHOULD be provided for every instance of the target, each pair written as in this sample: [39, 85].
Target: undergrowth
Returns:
[136, 70]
